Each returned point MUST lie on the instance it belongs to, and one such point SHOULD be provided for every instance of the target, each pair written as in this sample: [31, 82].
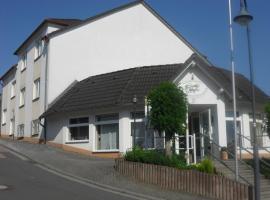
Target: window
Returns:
[39, 48]
[78, 129]
[36, 89]
[22, 97]
[144, 137]
[35, 127]
[13, 88]
[24, 62]
[142, 134]
[107, 131]
[4, 117]
[12, 126]
[20, 130]
[259, 129]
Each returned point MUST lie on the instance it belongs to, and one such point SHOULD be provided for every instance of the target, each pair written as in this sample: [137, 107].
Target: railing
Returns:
[251, 153]
[221, 161]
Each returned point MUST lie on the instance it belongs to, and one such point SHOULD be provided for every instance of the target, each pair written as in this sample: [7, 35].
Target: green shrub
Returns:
[156, 157]
[206, 166]
[159, 158]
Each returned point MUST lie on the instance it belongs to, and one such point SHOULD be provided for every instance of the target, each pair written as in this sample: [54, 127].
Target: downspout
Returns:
[46, 40]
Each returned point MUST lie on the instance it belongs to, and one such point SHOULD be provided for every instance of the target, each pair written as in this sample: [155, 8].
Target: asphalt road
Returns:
[27, 181]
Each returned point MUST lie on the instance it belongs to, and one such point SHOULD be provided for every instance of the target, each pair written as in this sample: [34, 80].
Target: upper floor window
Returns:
[39, 48]
[24, 62]
[36, 89]
[4, 116]
[22, 97]
[13, 88]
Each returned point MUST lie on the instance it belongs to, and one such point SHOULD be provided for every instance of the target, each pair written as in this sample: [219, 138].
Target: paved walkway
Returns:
[95, 170]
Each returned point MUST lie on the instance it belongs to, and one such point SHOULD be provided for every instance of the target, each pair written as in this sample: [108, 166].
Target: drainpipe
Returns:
[46, 40]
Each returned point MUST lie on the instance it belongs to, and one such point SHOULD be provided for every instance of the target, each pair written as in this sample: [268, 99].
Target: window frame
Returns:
[24, 62]
[19, 134]
[22, 98]
[39, 47]
[36, 89]
[139, 120]
[99, 122]
[4, 117]
[13, 89]
[68, 135]
[33, 127]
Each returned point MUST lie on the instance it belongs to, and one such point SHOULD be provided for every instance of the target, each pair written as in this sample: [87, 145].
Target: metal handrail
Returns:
[263, 148]
[261, 160]
[213, 142]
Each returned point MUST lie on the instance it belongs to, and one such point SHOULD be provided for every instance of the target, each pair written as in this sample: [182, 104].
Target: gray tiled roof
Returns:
[116, 89]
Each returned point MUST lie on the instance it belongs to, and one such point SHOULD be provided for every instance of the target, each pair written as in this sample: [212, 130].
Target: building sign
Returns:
[193, 88]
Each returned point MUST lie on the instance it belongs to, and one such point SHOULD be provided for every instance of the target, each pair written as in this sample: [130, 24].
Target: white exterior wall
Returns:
[130, 38]
[208, 97]
[7, 103]
[125, 138]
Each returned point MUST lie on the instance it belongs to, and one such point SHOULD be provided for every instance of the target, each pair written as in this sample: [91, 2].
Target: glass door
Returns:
[206, 132]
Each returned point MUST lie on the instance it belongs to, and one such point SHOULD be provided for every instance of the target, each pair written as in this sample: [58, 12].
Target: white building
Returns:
[59, 56]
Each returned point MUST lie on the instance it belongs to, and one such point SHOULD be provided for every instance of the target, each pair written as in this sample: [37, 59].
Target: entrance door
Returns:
[206, 132]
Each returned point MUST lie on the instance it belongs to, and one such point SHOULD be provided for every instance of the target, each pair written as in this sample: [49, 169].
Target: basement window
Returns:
[78, 130]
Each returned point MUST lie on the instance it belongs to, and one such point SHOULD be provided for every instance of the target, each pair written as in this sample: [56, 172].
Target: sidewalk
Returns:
[97, 170]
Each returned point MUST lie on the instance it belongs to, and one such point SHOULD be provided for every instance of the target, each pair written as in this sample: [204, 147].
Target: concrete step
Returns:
[247, 174]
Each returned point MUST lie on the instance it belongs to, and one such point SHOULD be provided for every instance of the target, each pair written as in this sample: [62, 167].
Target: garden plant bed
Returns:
[190, 181]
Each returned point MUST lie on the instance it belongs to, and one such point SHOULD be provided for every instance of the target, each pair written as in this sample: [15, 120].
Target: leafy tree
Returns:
[267, 111]
[168, 111]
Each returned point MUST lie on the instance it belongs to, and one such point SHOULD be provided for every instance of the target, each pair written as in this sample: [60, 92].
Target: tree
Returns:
[168, 111]
[267, 111]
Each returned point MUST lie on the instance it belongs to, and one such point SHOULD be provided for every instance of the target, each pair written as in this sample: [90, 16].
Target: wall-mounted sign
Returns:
[193, 88]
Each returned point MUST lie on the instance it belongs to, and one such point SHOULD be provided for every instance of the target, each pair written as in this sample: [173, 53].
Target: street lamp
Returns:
[134, 101]
[244, 18]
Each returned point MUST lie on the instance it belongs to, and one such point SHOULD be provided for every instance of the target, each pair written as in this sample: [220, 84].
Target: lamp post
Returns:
[134, 101]
[244, 18]
[234, 95]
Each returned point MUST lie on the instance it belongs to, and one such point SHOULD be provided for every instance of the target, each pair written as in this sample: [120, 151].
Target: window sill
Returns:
[106, 150]
[21, 106]
[34, 135]
[12, 97]
[35, 99]
[77, 141]
[23, 70]
[4, 124]
[36, 59]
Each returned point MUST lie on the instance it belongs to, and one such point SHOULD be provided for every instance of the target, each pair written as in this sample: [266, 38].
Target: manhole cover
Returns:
[3, 187]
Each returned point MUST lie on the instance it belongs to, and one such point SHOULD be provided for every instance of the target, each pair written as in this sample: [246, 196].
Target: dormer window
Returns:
[39, 48]
[24, 62]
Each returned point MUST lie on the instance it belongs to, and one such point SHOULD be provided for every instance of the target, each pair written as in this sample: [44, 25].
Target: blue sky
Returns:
[203, 23]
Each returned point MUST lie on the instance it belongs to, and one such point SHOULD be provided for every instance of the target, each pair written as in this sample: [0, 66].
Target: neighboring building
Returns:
[95, 114]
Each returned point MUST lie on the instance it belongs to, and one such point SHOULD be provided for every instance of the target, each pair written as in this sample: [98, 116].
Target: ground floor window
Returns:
[107, 132]
[35, 127]
[144, 137]
[20, 130]
[78, 129]
[108, 136]
[12, 126]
